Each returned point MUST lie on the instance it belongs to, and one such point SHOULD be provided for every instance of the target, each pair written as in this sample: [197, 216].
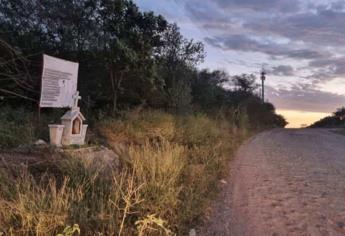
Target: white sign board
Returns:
[59, 82]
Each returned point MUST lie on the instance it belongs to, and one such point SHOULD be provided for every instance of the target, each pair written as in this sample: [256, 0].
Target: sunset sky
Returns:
[300, 42]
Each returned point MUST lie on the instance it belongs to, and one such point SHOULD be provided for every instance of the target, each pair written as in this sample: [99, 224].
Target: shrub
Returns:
[19, 126]
[197, 130]
[16, 127]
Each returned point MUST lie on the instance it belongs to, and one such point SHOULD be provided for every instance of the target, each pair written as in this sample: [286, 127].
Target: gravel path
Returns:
[284, 182]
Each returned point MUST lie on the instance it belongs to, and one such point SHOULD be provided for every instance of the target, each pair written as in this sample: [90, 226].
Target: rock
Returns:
[192, 232]
[223, 181]
[40, 142]
[99, 157]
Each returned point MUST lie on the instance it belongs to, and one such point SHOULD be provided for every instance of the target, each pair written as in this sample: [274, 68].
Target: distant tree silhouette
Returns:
[245, 83]
[333, 121]
[340, 112]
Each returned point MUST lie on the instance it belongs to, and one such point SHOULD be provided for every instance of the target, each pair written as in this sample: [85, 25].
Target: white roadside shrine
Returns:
[71, 131]
[74, 131]
[59, 89]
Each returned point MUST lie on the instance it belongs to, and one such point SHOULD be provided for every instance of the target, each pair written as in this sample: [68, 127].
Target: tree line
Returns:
[335, 120]
[127, 58]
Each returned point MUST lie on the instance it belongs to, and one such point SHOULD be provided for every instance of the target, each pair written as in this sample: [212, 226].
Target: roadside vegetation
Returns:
[173, 126]
[336, 120]
[170, 170]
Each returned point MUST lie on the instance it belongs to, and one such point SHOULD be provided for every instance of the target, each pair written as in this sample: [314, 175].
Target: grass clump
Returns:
[138, 127]
[36, 208]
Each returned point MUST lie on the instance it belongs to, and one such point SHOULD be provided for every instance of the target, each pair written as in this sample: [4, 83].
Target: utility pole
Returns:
[263, 77]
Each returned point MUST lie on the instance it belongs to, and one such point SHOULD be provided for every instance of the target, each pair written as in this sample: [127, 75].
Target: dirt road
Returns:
[284, 182]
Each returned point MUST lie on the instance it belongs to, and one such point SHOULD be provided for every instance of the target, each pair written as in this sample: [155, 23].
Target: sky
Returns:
[300, 43]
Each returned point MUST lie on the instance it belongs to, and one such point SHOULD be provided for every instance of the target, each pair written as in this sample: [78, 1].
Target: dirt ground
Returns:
[284, 182]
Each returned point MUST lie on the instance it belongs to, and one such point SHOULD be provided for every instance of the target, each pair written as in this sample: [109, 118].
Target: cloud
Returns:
[282, 70]
[303, 39]
[240, 42]
[261, 5]
[323, 27]
[234, 42]
[315, 27]
[284, 31]
[307, 54]
[305, 98]
[327, 68]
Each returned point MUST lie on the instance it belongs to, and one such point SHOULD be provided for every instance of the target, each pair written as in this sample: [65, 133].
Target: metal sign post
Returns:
[263, 78]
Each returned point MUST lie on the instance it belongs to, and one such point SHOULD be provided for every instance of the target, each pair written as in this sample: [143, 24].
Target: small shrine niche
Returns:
[76, 126]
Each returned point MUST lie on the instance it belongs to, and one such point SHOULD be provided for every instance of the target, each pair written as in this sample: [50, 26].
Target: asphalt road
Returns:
[284, 182]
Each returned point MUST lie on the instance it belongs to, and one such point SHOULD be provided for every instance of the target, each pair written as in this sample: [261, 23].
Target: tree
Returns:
[176, 65]
[340, 112]
[127, 57]
[113, 40]
[208, 89]
[334, 121]
[14, 76]
[245, 83]
[129, 39]
[261, 115]
[65, 29]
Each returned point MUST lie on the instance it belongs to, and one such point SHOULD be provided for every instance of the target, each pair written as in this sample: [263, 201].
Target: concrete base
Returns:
[74, 139]
[100, 158]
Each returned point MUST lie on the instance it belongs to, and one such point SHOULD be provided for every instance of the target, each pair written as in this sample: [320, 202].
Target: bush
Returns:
[19, 126]
[196, 130]
[336, 120]
[16, 127]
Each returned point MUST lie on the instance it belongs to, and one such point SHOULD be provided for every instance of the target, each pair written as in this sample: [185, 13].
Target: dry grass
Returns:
[37, 208]
[137, 128]
[171, 167]
[181, 160]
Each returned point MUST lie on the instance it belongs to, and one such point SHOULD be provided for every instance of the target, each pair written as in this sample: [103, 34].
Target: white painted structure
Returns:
[59, 82]
[55, 134]
[74, 130]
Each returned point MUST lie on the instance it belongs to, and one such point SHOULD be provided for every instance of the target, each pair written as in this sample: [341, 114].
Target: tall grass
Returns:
[36, 208]
[170, 169]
